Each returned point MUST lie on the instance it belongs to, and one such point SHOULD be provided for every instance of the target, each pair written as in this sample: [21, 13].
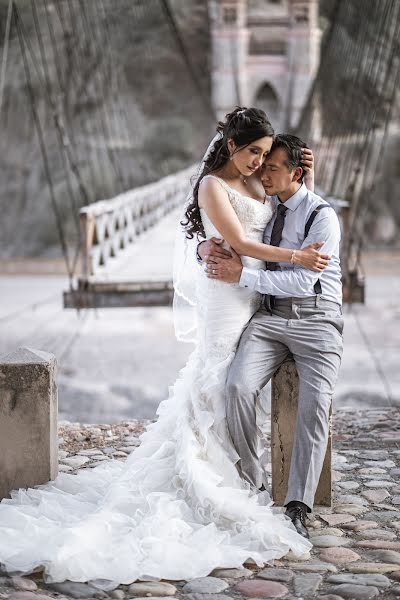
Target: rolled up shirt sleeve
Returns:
[298, 281]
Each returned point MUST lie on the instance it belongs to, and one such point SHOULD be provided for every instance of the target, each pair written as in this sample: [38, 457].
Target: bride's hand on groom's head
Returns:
[308, 160]
[212, 249]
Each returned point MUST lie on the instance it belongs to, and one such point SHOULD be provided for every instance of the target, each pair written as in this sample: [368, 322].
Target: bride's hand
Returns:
[310, 258]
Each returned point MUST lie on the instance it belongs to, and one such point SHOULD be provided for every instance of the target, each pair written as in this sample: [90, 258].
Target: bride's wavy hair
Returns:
[244, 126]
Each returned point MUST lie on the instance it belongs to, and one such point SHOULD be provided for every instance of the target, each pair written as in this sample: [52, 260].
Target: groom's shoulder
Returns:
[317, 209]
[314, 201]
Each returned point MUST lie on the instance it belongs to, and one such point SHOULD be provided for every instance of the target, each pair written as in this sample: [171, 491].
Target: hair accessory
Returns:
[240, 112]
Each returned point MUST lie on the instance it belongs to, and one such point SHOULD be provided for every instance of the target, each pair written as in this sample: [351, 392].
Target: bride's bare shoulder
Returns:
[210, 187]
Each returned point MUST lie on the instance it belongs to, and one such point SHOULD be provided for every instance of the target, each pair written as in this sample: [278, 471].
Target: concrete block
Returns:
[285, 389]
[28, 420]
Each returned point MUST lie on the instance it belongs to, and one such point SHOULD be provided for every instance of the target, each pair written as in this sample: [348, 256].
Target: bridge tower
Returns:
[265, 53]
[230, 37]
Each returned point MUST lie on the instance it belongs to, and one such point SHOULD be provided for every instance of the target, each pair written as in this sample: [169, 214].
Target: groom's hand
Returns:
[212, 249]
[225, 269]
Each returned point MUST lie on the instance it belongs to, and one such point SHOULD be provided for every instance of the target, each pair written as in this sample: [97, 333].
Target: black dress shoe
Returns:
[297, 513]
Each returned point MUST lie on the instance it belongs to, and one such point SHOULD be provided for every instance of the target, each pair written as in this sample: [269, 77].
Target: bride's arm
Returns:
[214, 200]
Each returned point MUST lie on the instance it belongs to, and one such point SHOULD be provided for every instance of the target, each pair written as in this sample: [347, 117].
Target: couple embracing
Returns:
[192, 497]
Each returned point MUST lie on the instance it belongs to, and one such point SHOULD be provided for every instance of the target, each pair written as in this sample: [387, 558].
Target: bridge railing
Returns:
[108, 227]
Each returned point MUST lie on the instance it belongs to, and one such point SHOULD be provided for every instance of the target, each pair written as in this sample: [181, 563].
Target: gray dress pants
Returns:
[309, 330]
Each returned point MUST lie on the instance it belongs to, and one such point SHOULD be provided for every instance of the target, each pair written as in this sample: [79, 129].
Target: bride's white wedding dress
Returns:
[177, 508]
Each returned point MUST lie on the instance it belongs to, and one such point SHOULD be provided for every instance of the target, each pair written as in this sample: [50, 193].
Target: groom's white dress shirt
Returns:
[294, 280]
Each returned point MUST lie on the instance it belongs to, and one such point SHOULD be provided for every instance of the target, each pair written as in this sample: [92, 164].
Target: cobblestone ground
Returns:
[356, 553]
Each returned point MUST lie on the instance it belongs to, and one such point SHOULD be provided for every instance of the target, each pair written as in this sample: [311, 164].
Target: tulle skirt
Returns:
[177, 507]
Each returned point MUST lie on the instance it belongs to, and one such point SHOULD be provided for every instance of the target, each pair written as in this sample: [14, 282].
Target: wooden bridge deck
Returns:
[141, 275]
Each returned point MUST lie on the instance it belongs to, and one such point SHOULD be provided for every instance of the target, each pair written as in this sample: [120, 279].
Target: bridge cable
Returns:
[190, 67]
[5, 51]
[63, 141]
[36, 118]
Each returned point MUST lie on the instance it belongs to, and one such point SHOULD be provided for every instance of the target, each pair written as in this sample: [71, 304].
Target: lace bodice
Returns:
[253, 216]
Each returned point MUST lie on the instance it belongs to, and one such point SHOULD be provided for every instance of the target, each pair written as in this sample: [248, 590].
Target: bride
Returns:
[177, 508]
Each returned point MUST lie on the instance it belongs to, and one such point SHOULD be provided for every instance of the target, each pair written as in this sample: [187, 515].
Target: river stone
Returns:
[349, 485]
[331, 597]
[375, 496]
[395, 575]
[382, 516]
[117, 594]
[275, 574]
[65, 468]
[75, 461]
[379, 544]
[387, 507]
[305, 585]
[336, 476]
[351, 509]
[232, 573]
[198, 597]
[354, 592]
[380, 463]
[339, 556]
[152, 588]
[205, 585]
[23, 583]
[337, 519]
[360, 525]
[372, 471]
[261, 588]
[89, 452]
[387, 556]
[74, 589]
[360, 579]
[351, 499]
[313, 567]
[396, 500]
[346, 467]
[381, 534]
[28, 596]
[327, 531]
[300, 558]
[371, 567]
[379, 483]
[374, 455]
[338, 459]
[378, 477]
[328, 541]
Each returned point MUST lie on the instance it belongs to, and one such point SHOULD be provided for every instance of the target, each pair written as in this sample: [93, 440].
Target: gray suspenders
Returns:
[310, 220]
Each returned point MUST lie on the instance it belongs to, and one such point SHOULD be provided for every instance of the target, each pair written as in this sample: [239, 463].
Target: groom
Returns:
[300, 317]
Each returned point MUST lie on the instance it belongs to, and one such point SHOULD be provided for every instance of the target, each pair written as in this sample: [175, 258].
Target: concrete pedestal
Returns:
[28, 420]
[285, 389]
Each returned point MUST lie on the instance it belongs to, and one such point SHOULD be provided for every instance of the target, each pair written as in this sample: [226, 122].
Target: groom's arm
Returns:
[298, 281]
[288, 282]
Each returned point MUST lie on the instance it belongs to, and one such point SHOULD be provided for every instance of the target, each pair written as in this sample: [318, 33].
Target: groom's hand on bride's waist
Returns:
[225, 269]
[211, 249]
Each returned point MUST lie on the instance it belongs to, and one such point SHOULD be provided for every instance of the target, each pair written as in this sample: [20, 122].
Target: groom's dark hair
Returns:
[293, 146]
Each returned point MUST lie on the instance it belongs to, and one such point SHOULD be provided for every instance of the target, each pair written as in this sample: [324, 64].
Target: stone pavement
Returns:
[356, 553]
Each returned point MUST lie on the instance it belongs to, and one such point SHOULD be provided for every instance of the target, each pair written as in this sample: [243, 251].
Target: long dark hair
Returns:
[243, 126]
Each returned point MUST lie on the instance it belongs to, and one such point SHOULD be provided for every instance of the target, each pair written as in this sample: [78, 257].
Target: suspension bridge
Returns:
[116, 223]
